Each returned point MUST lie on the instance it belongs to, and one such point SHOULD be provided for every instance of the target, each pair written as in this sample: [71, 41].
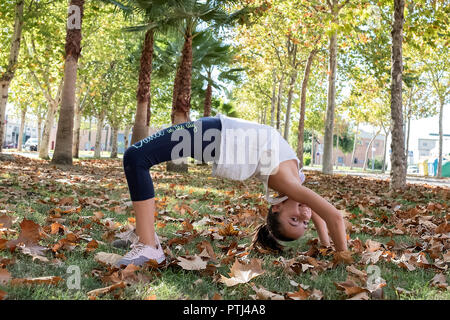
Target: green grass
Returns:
[172, 282]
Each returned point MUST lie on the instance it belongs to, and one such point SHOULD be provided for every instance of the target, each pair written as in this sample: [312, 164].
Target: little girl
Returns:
[238, 150]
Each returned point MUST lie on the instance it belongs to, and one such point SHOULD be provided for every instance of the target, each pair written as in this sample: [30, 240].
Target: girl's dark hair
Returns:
[266, 236]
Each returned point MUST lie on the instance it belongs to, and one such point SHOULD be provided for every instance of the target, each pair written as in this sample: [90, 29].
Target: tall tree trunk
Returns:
[398, 159]
[368, 148]
[141, 128]
[64, 135]
[114, 132]
[181, 103]
[301, 122]
[441, 134]
[355, 139]
[22, 126]
[39, 128]
[125, 137]
[8, 75]
[106, 137]
[337, 150]
[312, 149]
[98, 136]
[279, 100]
[289, 104]
[48, 125]
[327, 166]
[208, 99]
[407, 140]
[273, 101]
[386, 135]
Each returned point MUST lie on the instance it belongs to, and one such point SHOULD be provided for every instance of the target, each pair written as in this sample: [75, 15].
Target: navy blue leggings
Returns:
[177, 142]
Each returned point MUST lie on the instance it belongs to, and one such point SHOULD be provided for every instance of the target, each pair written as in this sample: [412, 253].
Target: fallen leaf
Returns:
[5, 276]
[243, 273]
[107, 258]
[264, 294]
[105, 290]
[192, 263]
[39, 280]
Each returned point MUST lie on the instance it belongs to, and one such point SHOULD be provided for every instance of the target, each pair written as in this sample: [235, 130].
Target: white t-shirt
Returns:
[249, 149]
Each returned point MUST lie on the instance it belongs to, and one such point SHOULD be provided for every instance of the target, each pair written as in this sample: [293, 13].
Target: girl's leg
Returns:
[155, 149]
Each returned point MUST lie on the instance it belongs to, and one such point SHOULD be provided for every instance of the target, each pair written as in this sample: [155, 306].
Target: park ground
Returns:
[58, 223]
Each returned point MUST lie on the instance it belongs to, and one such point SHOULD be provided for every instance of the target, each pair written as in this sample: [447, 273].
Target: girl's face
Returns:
[293, 217]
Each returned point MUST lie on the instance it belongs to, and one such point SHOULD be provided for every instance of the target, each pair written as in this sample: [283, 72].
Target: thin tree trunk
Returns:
[279, 100]
[337, 150]
[301, 122]
[8, 75]
[355, 139]
[48, 125]
[289, 104]
[398, 161]
[22, 126]
[98, 136]
[140, 128]
[114, 132]
[407, 140]
[327, 166]
[368, 148]
[39, 127]
[76, 131]
[64, 135]
[125, 137]
[386, 135]
[273, 101]
[312, 149]
[441, 134]
[208, 97]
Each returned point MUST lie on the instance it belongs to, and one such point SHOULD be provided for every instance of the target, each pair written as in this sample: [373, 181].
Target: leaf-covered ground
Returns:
[56, 229]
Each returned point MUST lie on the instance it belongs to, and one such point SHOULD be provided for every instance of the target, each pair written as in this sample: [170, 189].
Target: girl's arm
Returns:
[321, 228]
[287, 181]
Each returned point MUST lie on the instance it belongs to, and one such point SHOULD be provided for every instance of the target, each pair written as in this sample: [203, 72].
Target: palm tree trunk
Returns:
[398, 171]
[141, 128]
[181, 103]
[64, 136]
[327, 166]
[208, 99]
[301, 122]
[8, 75]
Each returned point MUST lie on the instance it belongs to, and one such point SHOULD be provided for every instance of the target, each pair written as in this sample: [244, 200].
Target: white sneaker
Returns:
[141, 253]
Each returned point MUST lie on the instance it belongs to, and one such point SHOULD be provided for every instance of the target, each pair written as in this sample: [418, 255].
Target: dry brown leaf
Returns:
[94, 293]
[107, 258]
[301, 294]
[349, 287]
[5, 276]
[243, 273]
[264, 294]
[3, 295]
[342, 257]
[39, 280]
[439, 281]
[191, 263]
[6, 221]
